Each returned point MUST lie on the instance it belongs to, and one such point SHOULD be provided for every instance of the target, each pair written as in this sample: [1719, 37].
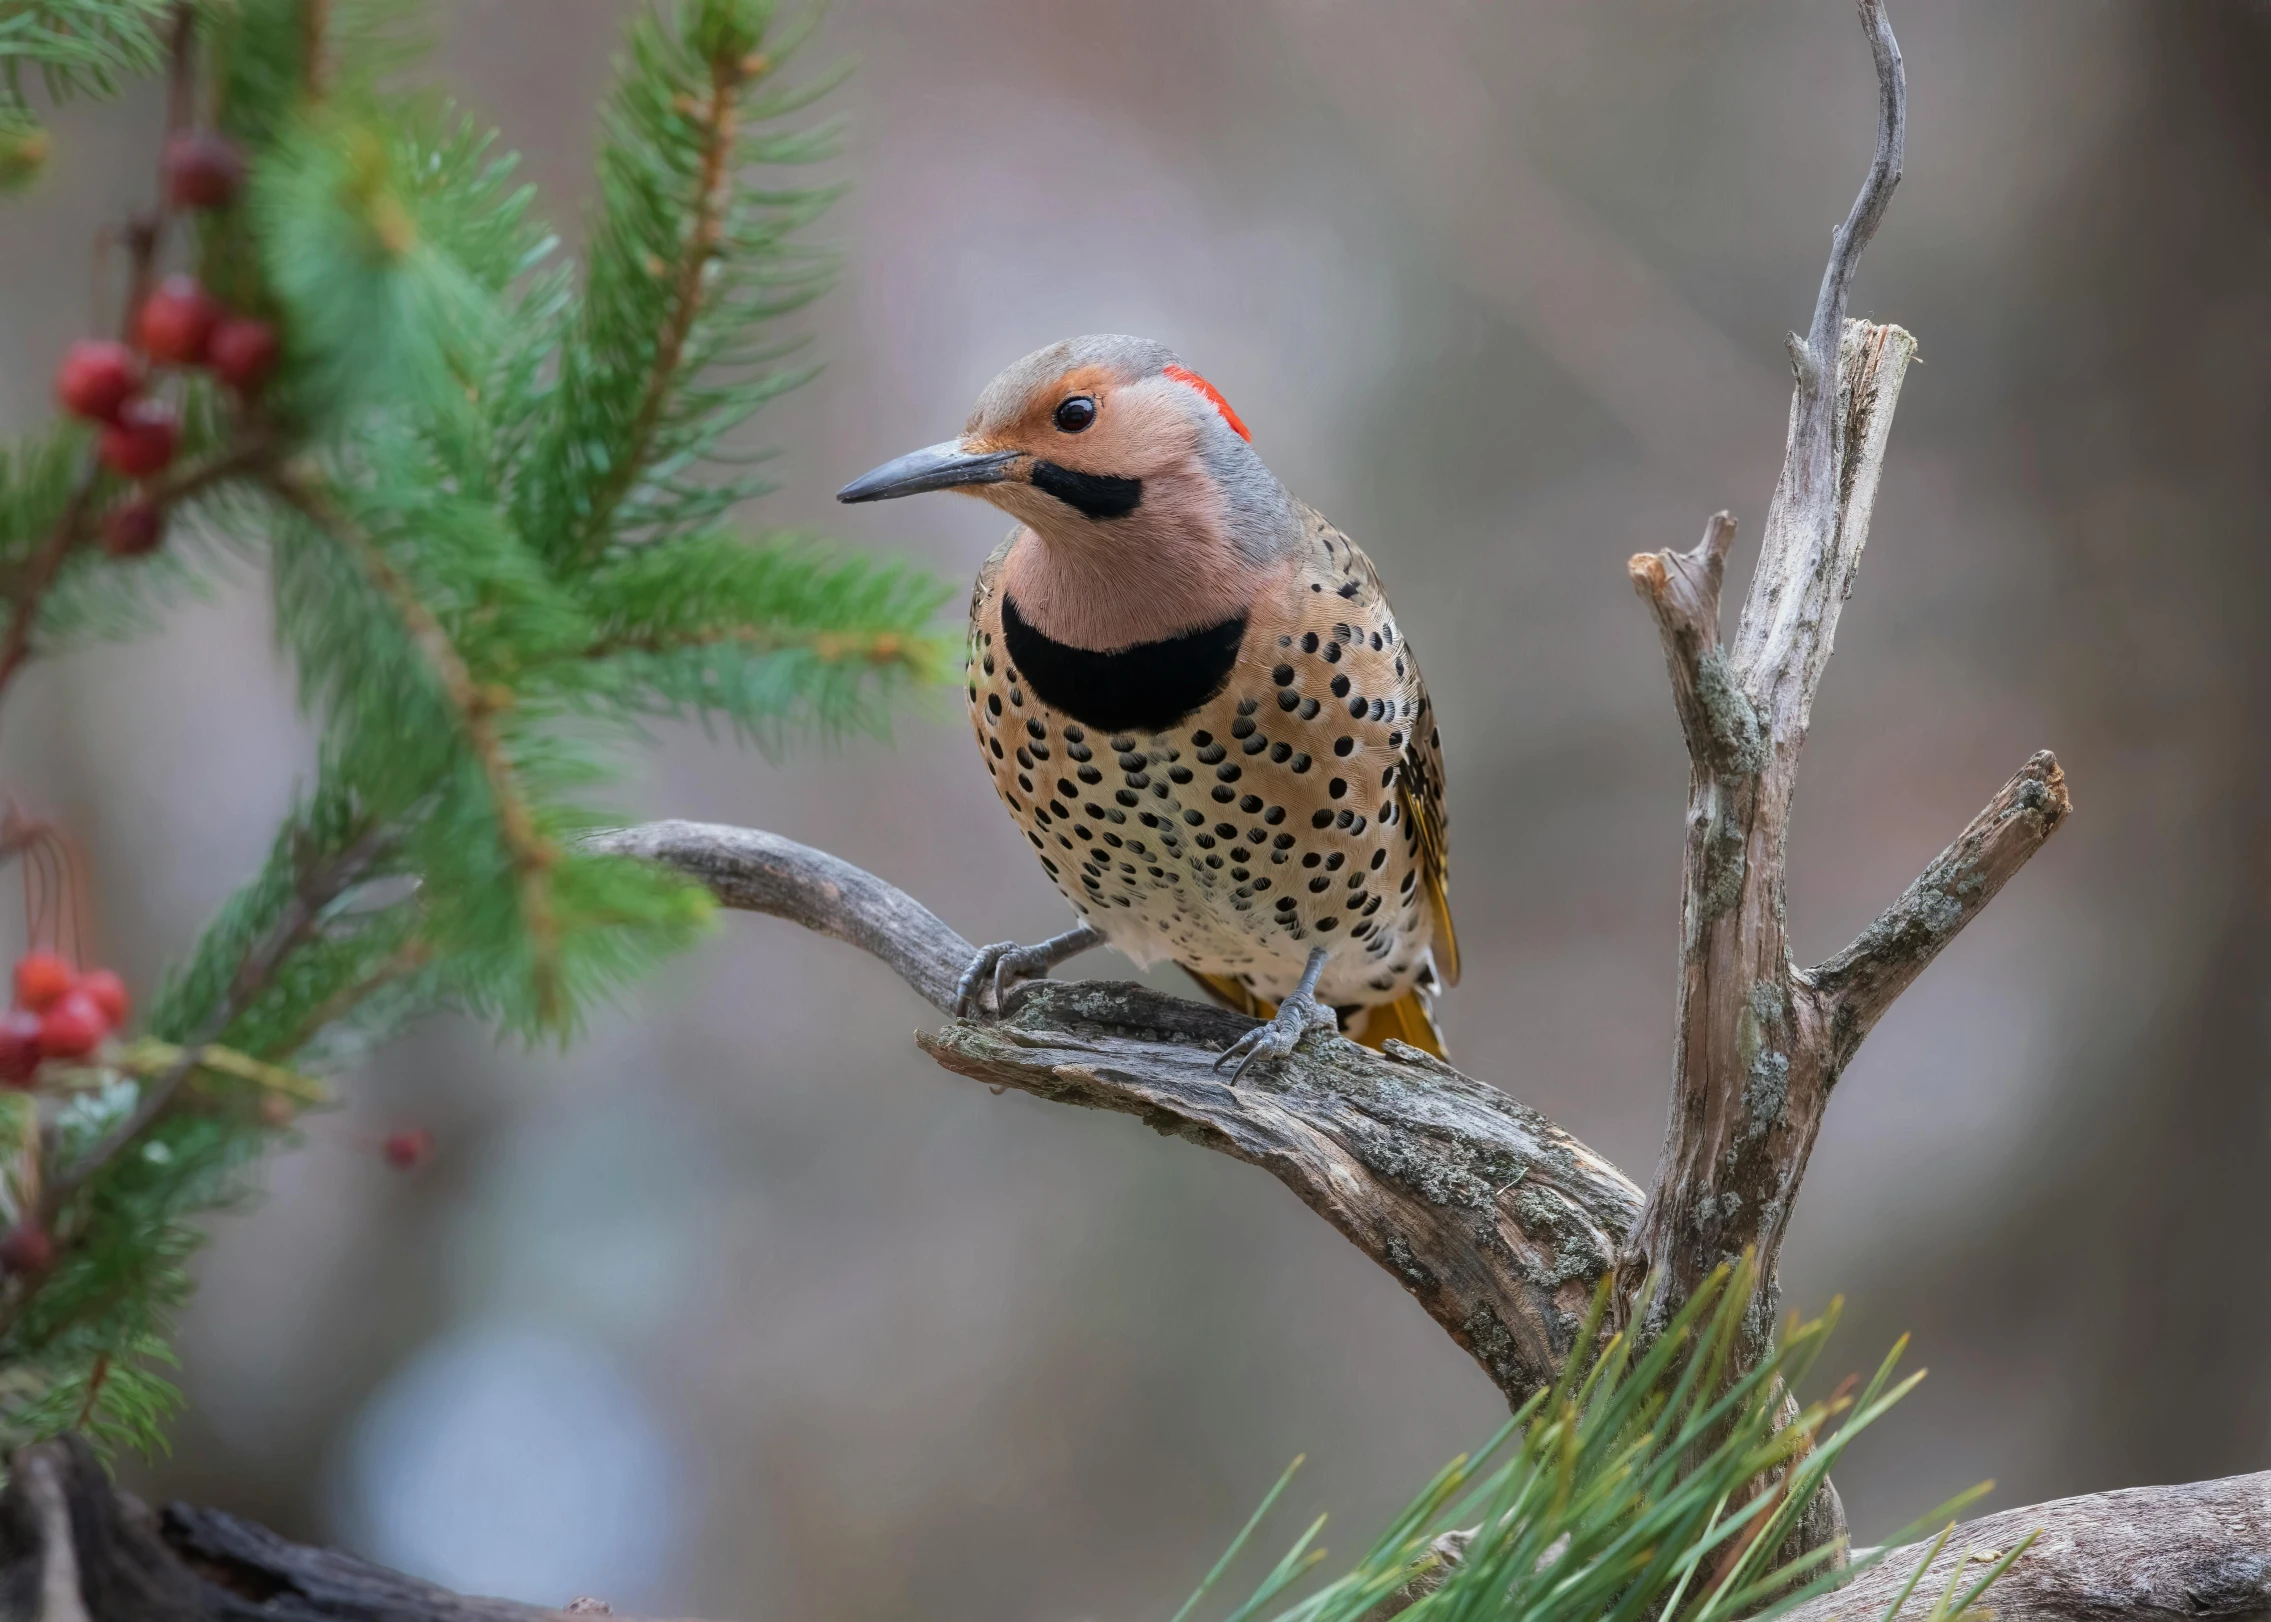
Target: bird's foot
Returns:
[1298, 1015]
[1004, 963]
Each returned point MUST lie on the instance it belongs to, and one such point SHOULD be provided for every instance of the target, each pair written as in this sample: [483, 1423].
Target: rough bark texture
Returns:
[2143, 1554]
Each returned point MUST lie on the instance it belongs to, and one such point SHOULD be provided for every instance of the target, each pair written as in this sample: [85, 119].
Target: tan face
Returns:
[1143, 513]
[1097, 458]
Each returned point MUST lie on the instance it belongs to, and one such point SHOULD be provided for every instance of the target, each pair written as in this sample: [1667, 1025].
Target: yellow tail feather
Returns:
[1407, 1019]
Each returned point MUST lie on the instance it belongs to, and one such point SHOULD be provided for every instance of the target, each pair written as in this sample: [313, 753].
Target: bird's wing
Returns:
[1420, 796]
[1423, 802]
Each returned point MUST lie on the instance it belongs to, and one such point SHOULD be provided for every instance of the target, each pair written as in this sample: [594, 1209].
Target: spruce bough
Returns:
[493, 492]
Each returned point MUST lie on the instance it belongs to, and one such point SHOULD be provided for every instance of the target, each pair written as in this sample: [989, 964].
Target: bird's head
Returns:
[1106, 446]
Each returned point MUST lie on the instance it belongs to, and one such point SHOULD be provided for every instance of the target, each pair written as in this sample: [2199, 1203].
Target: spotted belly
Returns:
[1232, 839]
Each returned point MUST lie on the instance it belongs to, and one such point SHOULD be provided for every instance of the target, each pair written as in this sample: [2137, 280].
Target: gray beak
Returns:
[944, 466]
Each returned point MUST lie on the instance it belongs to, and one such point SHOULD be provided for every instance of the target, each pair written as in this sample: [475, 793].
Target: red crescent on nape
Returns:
[1183, 374]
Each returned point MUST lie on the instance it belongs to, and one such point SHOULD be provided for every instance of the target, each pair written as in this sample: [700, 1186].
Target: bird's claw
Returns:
[1279, 1035]
[1004, 963]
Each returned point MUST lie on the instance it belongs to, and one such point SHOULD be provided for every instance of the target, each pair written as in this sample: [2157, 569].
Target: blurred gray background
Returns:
[744, 1310]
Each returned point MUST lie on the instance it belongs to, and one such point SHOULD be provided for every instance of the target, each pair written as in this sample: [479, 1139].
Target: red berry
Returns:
[42, 978]
[408, 1150]
[108, 993]
[204, 169]
[73, 1028]
[27, 1249]
[176, 322]
[143, 439]
[242, 352]
[19, 1047]
[96, 378]
[134, 528]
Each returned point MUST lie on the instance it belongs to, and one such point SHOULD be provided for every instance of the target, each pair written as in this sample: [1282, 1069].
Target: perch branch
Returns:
[761, 872]
[1496, 1220]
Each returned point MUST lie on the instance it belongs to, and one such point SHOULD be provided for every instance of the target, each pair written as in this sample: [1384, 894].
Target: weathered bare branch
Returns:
[1682, 588]
[1860, 983]
[2144, 1554]
[1495, 1219]
[762, 872]
[1753, 1063]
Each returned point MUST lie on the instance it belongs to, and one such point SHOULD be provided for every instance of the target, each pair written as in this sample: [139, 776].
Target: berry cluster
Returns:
[59, 1013]
[179, 324]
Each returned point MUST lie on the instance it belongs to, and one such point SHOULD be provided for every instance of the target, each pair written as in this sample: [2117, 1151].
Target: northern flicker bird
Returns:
[1196, 702]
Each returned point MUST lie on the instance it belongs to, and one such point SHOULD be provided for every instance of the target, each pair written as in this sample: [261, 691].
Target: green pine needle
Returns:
[1643, 1485]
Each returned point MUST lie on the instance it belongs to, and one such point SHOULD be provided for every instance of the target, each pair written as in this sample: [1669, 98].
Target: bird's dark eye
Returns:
[1076, 413]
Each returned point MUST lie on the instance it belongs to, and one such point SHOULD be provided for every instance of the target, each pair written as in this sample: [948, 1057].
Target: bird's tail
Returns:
[1408, 1019]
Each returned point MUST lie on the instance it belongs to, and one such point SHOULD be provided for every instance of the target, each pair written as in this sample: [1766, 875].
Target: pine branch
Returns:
[474, 708]
[321, 883]
[716, 121]
[764, 635]
[75, 527]
[689, 267]
[480, 497]
[78, 47]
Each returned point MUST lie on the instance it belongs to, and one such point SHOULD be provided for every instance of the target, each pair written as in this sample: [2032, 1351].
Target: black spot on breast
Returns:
[1093, 495]
[1349, 589]
[1148, 687]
